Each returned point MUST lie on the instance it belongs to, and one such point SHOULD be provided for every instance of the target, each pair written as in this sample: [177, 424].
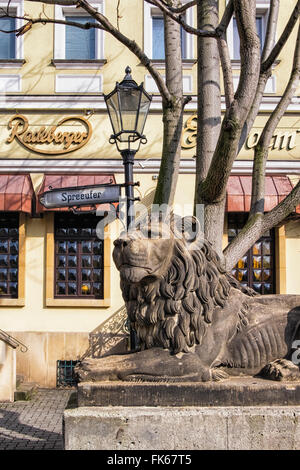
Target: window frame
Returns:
[59, 59]
[262, 10]
[16, 8]
[151, 12]
[51, 299]
[20, 300]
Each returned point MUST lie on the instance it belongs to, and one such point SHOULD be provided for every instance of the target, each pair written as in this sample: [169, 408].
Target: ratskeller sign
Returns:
[81, 196]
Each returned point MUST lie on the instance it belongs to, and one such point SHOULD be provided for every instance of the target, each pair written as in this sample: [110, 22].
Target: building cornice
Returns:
[66, 102]
[187, 166]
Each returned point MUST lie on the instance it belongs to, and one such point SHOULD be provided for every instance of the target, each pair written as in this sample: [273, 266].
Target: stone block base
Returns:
[182, 428]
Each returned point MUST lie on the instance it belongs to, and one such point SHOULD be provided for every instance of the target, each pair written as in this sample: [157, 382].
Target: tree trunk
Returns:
[209, 118]
[172, 115]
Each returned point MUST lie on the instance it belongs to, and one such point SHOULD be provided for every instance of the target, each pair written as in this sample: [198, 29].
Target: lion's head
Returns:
[171, 281]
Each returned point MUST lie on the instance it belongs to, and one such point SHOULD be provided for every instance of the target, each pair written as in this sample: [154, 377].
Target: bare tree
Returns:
[218, 141]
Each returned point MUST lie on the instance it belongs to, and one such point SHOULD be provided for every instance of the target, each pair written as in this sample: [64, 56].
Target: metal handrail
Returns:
[13, 342]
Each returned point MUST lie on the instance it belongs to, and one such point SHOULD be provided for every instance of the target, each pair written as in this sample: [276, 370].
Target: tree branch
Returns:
[214, 187]
[262, 148]
[267, 64]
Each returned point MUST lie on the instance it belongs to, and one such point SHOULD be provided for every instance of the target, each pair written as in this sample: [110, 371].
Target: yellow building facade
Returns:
[54, 132]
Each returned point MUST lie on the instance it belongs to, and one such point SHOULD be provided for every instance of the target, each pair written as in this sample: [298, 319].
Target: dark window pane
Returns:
[72, 275]
[86, 274]
[268, 288]
[97, 275]
[3, 274]
[3, 246]
[62, 247]
[61, 275]
[3, 260]
[14, 289]
[72, 247]
[86, 247]
[14, 247]
[13, 261]
[13, 275]
[97, 289]
[61, 288]
[72, 288]
[3, 288]
[97, 248]
[72, 261]
[62, 261]
[97, 262]
[257, 287]
[86, 261]
[4, 231]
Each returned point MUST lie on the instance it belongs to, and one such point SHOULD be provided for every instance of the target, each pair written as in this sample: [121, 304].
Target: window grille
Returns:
[65, 374]
[256, 268]
[79, 263]
[9, 254]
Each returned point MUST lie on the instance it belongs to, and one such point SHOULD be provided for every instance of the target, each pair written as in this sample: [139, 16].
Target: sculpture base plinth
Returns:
[236, 414]
[236, 391]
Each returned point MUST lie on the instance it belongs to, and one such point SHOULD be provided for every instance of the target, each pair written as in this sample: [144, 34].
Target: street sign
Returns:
[81, 196]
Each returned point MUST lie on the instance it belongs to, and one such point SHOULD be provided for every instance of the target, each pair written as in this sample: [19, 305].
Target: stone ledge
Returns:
[237, 391]
[182, 428]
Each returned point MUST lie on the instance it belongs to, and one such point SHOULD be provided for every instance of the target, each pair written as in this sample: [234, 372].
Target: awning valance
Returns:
[16, 192]
[239, 192]
[57, 181]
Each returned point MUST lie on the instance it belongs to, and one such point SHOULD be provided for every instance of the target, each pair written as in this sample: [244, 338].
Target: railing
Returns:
[13, 342]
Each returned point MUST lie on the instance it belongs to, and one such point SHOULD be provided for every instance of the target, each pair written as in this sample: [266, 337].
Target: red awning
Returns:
[239, 192]
[16, 193]
[65, 181]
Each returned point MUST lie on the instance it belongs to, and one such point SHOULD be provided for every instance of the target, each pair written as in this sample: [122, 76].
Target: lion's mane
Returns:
[175, 310]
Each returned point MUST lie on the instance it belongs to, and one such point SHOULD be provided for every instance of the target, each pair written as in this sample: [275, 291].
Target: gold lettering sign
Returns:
[51, 135]
[281, 140]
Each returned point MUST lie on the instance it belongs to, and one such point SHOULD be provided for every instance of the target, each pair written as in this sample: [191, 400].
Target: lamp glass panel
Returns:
[113, 109]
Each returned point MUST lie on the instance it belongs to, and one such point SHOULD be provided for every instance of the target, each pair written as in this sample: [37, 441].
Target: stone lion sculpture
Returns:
[194, 321]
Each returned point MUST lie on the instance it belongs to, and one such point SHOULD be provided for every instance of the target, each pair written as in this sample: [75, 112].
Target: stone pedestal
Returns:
[237, 414]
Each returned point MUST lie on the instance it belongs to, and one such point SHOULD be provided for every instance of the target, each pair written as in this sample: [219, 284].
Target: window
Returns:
[158, 44]
[75, 47]
[7, 41]
[11, 47]
[9, 254]
[256, 268]
[79, 260]
[80, 43]
[154, 35]
[262, 11]
[236, 39]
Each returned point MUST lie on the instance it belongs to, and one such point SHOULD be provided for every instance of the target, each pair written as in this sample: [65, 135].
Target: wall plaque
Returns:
[52, 139]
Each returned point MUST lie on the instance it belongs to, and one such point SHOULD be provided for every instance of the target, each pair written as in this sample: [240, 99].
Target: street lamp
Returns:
[128, 106]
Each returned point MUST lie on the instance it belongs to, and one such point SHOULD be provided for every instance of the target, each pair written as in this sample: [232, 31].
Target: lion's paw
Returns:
[281, 369]
[218, 374]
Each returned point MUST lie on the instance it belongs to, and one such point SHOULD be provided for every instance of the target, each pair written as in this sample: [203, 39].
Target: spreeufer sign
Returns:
[81, 196]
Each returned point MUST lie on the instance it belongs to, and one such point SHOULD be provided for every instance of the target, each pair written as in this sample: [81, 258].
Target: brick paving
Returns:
[35, 424]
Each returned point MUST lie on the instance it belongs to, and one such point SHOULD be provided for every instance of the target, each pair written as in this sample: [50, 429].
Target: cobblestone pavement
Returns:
[35, 424]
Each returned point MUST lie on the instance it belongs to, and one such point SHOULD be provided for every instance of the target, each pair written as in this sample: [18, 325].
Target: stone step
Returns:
[25, 391]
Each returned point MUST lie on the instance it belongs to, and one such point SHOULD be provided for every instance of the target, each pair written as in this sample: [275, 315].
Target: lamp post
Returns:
[128, 106]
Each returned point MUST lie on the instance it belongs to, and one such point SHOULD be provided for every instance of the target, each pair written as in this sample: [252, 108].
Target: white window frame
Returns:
[262, 9]
[149, 13]
[60, 60]
[16, 8]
